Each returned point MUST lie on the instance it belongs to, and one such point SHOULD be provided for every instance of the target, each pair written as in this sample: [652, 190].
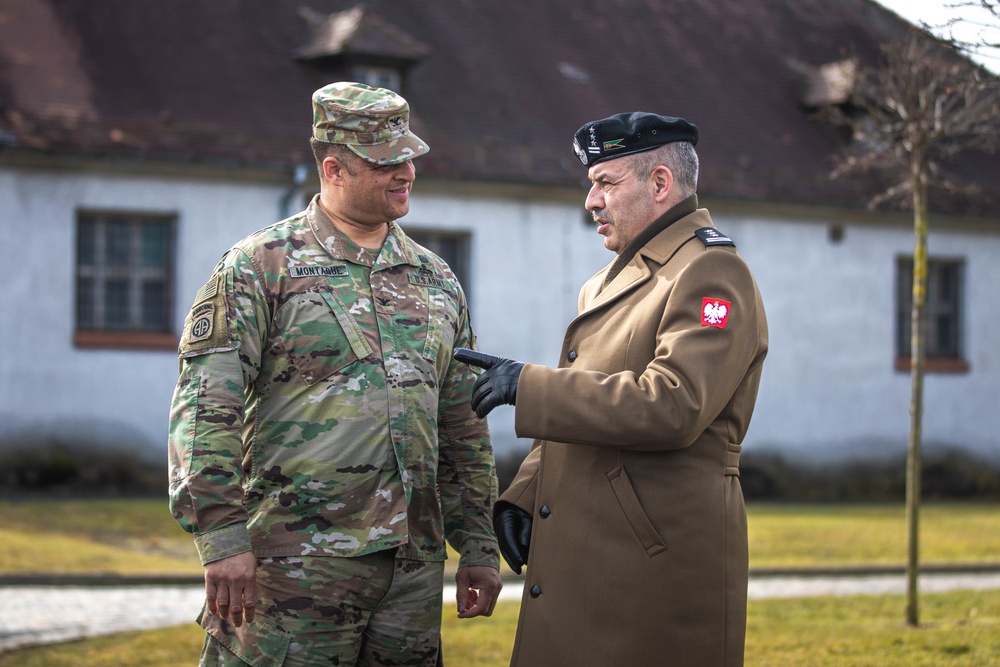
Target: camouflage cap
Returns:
[373, 122]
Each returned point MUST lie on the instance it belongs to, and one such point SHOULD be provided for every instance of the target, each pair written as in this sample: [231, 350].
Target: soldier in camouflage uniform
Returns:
[322, 447]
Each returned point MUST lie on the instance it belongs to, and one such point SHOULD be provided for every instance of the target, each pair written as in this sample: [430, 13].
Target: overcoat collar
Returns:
[658, 250]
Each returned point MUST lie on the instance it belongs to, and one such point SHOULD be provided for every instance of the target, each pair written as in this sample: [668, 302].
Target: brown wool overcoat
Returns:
[638, 550]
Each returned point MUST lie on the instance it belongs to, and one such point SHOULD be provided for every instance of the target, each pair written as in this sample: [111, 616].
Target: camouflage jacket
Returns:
[319, 410]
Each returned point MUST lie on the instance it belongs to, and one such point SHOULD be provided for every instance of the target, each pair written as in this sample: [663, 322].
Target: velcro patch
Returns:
[710, 236]
[206, 328]
[314, 271]
[202, 322]
[427, 281]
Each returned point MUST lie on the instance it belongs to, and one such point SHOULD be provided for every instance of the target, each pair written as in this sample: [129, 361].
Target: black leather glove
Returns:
[498, 383]
[513, 528]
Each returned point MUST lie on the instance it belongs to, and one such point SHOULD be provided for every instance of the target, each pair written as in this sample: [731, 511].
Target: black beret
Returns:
[628, 133]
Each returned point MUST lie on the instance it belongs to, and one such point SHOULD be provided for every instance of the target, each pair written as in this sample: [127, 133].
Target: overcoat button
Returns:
[572, 355]
[535, 591]
[545, 511]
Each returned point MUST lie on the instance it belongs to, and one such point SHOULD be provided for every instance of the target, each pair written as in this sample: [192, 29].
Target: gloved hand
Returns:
[497, 385]
[513, 528]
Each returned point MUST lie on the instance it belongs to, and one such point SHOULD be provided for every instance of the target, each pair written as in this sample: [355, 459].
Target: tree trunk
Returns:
[913, 456]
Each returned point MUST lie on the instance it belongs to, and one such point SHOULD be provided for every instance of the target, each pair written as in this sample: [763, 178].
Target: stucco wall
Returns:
[829, 388]
[50, 390]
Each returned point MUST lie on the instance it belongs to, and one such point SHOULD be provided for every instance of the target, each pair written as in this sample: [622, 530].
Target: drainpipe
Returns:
[298, 178]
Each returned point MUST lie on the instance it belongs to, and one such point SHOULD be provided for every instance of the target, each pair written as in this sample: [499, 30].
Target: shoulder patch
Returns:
[710, 236]
[206, 328]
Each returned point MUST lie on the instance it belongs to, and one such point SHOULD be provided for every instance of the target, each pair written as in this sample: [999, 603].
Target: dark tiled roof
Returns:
[497, 90]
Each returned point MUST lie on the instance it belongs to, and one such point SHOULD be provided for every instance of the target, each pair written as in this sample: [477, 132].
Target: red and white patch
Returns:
[714, 312]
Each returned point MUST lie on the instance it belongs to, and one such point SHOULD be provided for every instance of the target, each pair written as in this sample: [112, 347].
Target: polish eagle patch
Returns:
[714, 312]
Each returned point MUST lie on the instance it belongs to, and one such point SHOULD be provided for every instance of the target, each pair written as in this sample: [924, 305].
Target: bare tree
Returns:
[979, 24]
[923, 106]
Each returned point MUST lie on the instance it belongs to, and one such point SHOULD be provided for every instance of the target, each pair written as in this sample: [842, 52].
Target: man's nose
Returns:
[406, 171]
[595, 200]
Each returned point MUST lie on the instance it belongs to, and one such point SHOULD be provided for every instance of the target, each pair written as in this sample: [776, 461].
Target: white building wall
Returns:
[829, 388]
[48, 388]
[529, 260]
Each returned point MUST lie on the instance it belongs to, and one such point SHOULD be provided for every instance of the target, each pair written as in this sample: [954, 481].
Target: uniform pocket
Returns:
[259, 643]
[319, 335]
[183, 419]
[442, 319]
[636, 515]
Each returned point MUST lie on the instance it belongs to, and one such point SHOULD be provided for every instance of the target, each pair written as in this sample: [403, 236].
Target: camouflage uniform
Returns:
[319, 411]
[298, 628]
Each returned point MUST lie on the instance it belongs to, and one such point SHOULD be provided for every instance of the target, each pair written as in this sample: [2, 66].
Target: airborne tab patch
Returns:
[710, 236]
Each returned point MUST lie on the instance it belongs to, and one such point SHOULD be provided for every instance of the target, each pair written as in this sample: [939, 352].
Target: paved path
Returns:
[31, 615]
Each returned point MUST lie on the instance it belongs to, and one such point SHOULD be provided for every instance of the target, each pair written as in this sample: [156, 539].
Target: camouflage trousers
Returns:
[374, 610]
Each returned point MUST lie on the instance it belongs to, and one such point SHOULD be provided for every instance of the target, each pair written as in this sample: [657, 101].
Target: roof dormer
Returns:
[361, 46]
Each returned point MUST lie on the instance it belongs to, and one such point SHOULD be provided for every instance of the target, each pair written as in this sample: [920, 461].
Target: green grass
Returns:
[140, 537]
[957, 629]
[852, 535]
[126, 537]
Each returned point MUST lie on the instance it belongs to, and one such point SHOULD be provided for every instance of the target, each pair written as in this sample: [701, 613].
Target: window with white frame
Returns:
[377, 77]
[942, 317]
[124, 273]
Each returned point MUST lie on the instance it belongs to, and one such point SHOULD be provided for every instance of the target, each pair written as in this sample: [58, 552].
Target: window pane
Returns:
[86, 318]
[948, 285]
[941, 318]
[944, 338]
[377, 77]
[452, 248]
[86, 243]
[116, 304]
[117, 243]
[154, 306]
[154, 244]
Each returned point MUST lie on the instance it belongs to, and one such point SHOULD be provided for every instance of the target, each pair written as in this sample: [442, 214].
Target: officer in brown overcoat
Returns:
[628, 511]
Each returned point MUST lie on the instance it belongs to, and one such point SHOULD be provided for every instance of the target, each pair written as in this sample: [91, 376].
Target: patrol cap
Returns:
[628, 133]
[373, 122]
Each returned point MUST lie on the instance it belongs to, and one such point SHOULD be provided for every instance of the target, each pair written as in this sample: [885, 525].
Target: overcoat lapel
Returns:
[659, 249]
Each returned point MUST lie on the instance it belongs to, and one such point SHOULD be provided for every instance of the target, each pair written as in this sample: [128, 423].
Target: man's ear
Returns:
[333, 170]
[662, 180]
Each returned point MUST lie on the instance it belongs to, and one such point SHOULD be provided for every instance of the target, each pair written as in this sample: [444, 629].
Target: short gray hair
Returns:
[677, 156]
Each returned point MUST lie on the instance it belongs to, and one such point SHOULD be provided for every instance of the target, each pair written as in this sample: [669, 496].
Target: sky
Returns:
[939, 12]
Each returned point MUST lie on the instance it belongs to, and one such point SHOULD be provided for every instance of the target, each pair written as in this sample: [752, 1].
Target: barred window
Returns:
[124, 275]
[942, 316]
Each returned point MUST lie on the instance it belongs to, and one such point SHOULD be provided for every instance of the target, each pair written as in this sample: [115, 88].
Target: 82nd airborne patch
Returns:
[202, 319]
[206, 328]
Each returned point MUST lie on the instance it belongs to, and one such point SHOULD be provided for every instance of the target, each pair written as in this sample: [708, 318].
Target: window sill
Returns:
[938, 365]
[125, 340]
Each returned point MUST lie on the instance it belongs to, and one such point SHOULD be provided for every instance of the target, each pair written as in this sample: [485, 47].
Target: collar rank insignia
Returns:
[710, 236]
[715, 312]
